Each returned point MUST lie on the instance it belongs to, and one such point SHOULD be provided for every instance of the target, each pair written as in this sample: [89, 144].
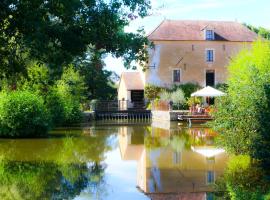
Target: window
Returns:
[210, 177]
[209, 55]
[209, 35]
[176, 75]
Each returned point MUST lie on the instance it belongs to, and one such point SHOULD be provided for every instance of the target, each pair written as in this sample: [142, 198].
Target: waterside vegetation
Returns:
[242, 119]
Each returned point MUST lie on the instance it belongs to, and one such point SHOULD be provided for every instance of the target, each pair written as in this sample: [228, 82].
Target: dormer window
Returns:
[209, 34]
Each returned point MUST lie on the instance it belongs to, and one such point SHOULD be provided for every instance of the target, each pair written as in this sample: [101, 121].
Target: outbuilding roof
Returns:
[186, 30]
[132, 80]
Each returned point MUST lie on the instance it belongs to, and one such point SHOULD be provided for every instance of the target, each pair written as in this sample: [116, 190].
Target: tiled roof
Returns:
[132, 80]
[186, 30]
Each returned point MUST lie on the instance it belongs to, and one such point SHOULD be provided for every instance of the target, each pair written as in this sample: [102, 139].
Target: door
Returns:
[210, 81]
[210, 78]
[137, 99]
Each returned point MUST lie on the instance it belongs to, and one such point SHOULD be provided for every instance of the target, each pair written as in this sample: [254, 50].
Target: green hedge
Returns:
[23, 114]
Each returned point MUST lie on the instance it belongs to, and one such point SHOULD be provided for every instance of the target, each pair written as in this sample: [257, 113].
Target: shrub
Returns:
[151, 92]
[222, 86]
[56, 107]
[165, 95]
[23, 114]
[187, 88]
[38, 79]
[178, 96]
[70, 90]
[243, 115]
[191, 101]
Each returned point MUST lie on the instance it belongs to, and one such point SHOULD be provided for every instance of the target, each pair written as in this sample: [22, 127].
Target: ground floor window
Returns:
[176, 75]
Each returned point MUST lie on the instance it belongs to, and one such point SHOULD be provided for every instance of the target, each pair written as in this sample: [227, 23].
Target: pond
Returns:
[112, 161]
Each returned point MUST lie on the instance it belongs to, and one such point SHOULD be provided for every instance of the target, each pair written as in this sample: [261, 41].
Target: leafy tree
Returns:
[242, 117]
[60, 30]
[70, 90]
[99, 84]
[263, 32]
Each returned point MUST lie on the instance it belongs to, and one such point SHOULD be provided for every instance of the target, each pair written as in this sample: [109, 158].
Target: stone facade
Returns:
[190, 58]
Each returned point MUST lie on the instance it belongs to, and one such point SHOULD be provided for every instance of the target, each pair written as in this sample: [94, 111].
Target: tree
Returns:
[97, 80]
[242, 117]
[60, 30]
[263, 32]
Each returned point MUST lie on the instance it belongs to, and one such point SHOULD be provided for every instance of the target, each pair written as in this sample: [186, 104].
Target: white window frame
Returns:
[214, 55]
[212, 35]
[173, 75]
[214, 177]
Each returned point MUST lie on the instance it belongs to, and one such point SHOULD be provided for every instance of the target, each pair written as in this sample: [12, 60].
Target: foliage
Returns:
[187, 88]
[222, 87]
[178, 96]
[37, 79]
[263, 32]
[70, 90]
[191, 101]
[56, 107]
[151, 92]
[165, 95]
[71, 84]
[98, 81]
[23, 114]
[242, 117]
[59, 31]
[243, 180]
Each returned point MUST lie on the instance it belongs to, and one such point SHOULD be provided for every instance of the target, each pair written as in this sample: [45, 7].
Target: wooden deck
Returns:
[195, 118]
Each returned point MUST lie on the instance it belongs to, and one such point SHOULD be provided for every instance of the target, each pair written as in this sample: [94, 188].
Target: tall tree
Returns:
[263, 32]
[55, 31]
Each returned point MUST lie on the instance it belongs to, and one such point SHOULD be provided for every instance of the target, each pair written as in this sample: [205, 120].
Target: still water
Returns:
[110, 161]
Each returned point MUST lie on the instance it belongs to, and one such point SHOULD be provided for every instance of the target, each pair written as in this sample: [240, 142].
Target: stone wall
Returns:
[166, 115]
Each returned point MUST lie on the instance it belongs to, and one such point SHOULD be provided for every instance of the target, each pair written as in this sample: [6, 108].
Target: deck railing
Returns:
[117, 105]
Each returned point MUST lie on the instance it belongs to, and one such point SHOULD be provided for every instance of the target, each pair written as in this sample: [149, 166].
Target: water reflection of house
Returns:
[168, 169]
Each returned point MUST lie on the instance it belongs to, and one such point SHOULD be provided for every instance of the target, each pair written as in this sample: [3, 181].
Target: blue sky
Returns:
[255, 12]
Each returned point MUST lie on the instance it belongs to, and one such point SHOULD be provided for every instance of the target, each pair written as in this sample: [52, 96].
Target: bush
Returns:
[222, 87]
[187, 88]
[151, 92]
[165, 95]
[178, 96]
[56, 107]
[23, 114]
[192, 101]
[243, 115]
[69, 90]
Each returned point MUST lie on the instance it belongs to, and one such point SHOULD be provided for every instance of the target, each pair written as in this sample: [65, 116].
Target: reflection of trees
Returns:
[25, 180]
[177, 139]
[243, 179]
[57, 169]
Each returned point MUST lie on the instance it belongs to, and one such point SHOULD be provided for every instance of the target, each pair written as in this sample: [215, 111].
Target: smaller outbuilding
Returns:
[130, 90]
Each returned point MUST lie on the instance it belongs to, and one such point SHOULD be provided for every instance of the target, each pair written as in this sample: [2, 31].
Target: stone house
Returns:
[188, 51]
